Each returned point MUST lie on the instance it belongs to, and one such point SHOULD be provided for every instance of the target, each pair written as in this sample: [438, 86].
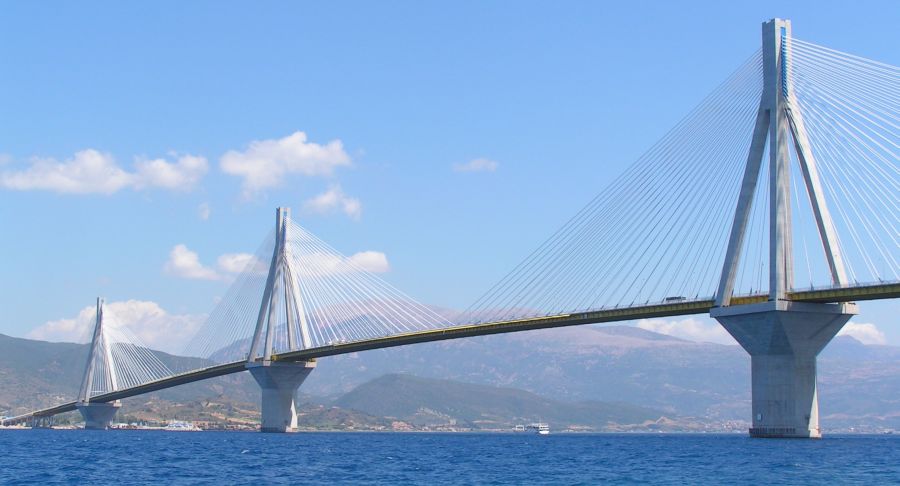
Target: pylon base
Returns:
[278, 384]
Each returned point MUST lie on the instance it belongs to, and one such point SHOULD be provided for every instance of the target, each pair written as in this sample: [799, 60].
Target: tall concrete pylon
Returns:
[279, 381]
[99, 415]
[782, 337]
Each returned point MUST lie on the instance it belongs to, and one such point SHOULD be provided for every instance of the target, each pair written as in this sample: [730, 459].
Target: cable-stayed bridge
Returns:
[772, 207]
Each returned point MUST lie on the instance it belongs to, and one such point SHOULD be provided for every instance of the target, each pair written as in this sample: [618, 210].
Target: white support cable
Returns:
[229, 324]
[866, 78]
[701, 245]
[122, 360]
[839, 192]
[341, 307]
[681, 229]
[658, 230]
[795, 190]
[341, 301]
[854, 105]
[315, 308]
[686, 226]
[889, 71]
[854, 131]
[485, 301]
[828, 143]
[549, 285]
[872, 232]
[366, 283]
[852, 149]
[873, 102]
[296, 301]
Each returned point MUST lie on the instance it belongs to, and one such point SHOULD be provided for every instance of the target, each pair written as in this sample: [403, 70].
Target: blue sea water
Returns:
[141, 457]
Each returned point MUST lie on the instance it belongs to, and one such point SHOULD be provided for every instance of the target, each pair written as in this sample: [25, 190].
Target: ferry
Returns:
[540, 428]
[173, 426]
[178, 426]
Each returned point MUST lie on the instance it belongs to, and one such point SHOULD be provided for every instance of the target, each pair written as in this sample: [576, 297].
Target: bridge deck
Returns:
[848, 294]
[880, 291]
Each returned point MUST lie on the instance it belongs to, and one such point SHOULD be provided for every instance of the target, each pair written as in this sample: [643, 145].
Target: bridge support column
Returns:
[279, 383]
[98, 416]
[783, 339]
[42, 422]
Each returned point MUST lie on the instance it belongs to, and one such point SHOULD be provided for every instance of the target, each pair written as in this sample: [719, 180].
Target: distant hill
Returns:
[37, 374]
[858, 384]
[584, 372]
[624, 364]
[423, 402]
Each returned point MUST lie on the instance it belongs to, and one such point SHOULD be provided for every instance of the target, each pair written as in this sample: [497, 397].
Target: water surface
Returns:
[135, 457]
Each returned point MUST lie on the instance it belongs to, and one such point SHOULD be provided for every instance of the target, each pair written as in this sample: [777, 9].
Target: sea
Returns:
[175, 458]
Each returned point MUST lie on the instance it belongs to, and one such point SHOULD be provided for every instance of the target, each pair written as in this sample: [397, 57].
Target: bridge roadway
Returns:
[681, 308]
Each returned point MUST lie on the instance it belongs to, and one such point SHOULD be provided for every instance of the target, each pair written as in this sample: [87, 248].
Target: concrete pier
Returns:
[42, 422]
[98, 416]
[279, 383]
[783, 339]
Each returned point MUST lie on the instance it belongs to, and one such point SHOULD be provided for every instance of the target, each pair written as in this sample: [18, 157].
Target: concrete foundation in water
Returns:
[98, 416]
[278, 384]
[783, 339]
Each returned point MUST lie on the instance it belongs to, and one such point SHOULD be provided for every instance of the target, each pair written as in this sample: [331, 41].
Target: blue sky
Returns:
[552, 101]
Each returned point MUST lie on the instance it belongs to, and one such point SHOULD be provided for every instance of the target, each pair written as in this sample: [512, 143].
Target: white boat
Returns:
[178, 426]
[540, 427]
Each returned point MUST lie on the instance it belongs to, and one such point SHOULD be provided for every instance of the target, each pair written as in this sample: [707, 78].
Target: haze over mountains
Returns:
[598, 378]
[36, 374]
[857, 383]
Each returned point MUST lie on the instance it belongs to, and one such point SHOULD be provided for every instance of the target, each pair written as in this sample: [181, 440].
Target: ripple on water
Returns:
[138, 457]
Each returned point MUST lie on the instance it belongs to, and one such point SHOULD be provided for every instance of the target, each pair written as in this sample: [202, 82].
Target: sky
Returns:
[145, 147]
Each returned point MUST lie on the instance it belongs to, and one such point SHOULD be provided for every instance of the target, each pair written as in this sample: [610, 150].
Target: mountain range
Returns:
[590, 377]
[859, 385]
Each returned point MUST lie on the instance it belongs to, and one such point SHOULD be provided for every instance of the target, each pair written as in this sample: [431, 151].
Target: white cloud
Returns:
[690, 328]
[319, 264]
[477, 165]
[371, 261]
[181, 175]
[153, 326]
[185, 263]
[204, 211]
[88, 172]
[75, 330]
[266, 163]
[93, 172]
[864, 333]
[332, 200]
[239, 262]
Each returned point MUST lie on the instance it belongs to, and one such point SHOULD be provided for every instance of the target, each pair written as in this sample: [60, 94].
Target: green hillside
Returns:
[38, 374]
[595, 376]
[423, 401]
